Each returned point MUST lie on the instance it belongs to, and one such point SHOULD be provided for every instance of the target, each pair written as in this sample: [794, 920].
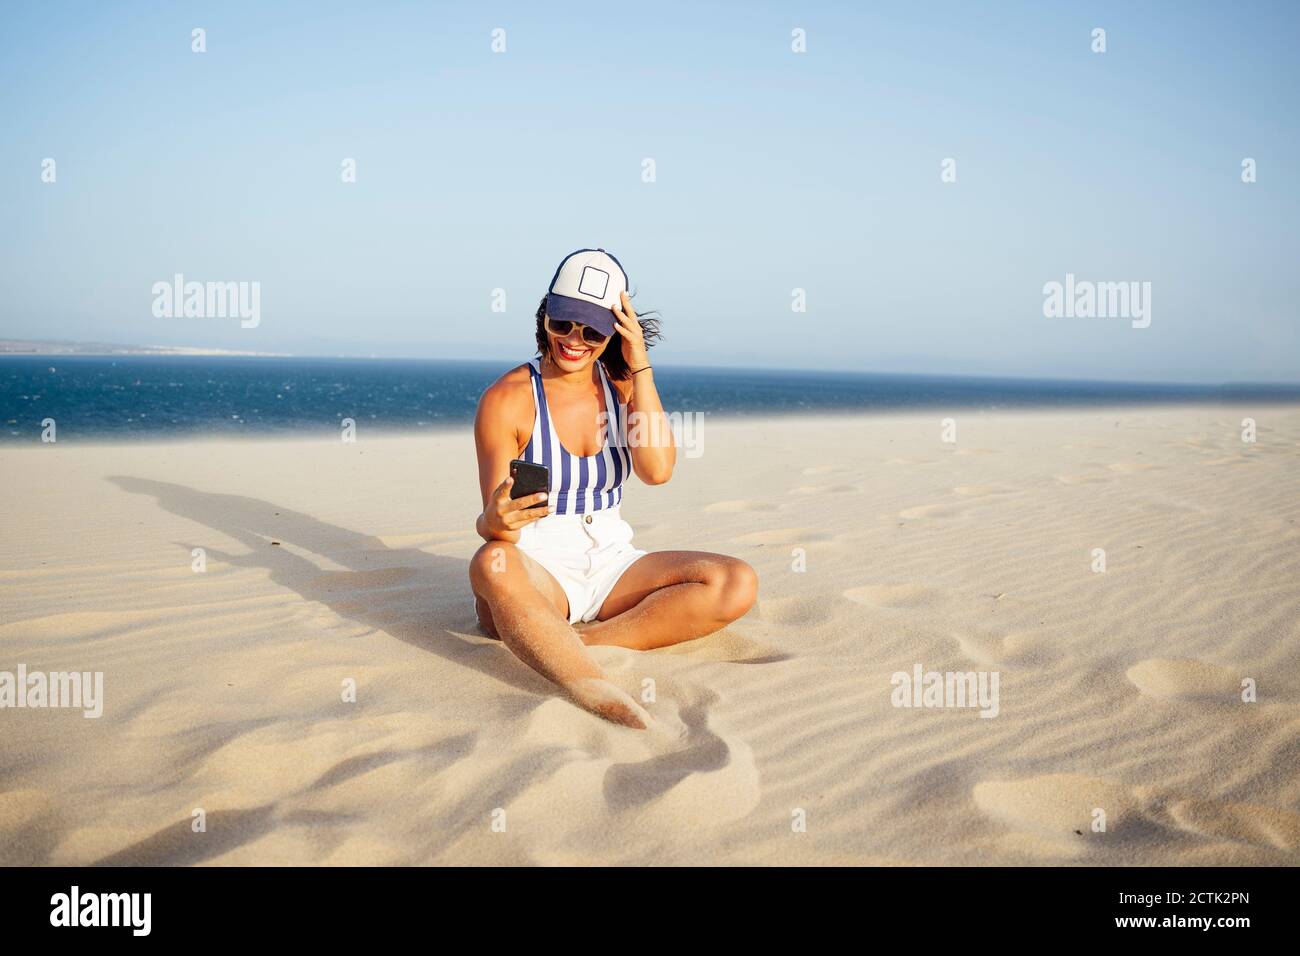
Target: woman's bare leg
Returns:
[529, 613]
[673, 596]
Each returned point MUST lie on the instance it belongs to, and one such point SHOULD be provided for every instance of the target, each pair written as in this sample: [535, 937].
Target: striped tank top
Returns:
[580, 485]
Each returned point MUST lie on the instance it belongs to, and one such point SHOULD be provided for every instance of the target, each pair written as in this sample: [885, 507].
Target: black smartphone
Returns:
[529, 479]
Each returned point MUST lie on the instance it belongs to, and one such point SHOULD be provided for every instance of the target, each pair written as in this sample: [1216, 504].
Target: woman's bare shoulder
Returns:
[510, 396]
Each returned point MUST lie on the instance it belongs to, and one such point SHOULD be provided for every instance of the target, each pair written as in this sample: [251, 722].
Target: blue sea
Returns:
[93, 397]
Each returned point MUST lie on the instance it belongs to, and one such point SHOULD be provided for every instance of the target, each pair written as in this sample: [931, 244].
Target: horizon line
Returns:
[109, 350]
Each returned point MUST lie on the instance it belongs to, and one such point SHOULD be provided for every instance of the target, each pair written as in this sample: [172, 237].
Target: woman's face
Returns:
[570, 352]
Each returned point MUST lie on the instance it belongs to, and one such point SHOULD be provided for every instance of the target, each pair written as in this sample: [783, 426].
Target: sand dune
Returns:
[880, 549]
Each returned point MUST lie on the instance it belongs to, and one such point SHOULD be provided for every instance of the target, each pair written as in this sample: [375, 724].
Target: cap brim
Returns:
[564, 308]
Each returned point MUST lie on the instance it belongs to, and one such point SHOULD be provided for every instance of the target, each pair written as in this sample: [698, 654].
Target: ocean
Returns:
[141, 397]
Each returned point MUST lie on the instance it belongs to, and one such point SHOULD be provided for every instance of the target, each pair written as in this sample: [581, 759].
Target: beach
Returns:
[309, 686]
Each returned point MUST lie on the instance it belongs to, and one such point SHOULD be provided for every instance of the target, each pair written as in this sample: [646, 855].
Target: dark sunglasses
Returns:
[562, 327]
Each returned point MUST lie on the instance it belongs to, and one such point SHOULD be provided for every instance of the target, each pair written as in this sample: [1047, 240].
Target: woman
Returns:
[543, 570]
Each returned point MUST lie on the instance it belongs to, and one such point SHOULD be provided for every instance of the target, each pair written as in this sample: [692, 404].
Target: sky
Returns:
[774, 171]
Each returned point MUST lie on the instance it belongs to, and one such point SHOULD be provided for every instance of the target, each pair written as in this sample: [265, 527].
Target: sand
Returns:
[226, 737]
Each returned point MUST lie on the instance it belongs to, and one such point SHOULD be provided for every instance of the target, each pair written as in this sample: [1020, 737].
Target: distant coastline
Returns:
[56, 347]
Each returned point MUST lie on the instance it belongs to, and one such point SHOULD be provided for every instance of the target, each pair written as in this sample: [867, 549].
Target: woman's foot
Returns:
[606, 700]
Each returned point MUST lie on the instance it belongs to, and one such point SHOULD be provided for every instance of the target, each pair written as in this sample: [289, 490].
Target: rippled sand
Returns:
[1121, 735]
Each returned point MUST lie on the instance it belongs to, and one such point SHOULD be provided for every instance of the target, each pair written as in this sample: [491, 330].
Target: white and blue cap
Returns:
[587, 284]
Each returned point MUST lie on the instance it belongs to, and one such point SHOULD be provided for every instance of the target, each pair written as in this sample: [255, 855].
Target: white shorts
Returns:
[587, 554]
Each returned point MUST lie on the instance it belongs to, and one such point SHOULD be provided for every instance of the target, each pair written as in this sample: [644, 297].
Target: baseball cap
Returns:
[587, 283]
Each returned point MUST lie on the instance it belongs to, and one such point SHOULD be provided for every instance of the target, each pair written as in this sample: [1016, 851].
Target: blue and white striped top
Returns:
[580, 485]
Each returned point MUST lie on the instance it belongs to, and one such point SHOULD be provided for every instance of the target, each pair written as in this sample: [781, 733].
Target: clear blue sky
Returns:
[774, 171]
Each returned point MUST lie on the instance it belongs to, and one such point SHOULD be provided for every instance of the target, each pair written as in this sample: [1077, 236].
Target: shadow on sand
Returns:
[419, 598]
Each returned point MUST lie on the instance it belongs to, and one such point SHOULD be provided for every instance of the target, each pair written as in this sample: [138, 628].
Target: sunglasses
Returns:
[562, 327]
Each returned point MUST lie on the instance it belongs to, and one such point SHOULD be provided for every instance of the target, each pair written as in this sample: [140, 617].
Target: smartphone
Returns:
[529, 479]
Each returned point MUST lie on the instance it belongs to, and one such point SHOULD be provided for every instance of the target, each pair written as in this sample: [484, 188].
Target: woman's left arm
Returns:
[650, 437]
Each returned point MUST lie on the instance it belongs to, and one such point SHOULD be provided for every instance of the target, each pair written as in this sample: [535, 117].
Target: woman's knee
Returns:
[488, 564]
[737, 587]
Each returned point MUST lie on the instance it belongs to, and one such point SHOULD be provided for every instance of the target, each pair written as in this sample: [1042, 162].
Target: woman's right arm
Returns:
[496, 439]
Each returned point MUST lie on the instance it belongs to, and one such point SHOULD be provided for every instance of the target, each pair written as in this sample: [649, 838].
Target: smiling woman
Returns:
[542, 571]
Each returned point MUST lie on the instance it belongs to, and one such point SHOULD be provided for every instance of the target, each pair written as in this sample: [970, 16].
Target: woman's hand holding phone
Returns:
[504, 516]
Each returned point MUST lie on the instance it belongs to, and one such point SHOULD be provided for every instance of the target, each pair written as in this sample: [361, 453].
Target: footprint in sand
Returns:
[685, 770]
[1181, 679]
[1239, 822]
[704, 778]
[740, 505]
[1061, 806]
[894, 595]
[1018, 647]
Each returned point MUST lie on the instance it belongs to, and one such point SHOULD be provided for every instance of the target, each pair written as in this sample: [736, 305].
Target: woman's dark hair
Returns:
[615, 366]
